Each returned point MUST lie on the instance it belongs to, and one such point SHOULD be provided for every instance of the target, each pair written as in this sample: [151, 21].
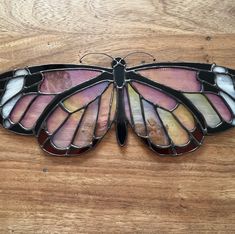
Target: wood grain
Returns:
[113, 189]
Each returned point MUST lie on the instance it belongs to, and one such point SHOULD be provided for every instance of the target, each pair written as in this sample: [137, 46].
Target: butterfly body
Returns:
[119, 71]
[70, 108]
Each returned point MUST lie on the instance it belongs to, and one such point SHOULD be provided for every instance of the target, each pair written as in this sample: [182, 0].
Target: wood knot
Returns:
[208, 38]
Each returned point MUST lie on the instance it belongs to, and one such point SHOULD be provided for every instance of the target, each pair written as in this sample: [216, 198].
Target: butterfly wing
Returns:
[175, 105]
[68, 106]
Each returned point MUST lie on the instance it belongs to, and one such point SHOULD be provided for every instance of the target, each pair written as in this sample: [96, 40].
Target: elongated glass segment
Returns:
[127, 107]
[9, 105]
[176, 78]
[82, 98]
[103, 121]
[231, 103]
[64, 135]
[155, 96]
[136, 112]
[185, 117]
[58, 81]
[156, 132]
[21, 107]
[35, 110]
[113, 106]
[85, 131]
[178, 135]
[220, 106]
[56, 119]
[202, 104]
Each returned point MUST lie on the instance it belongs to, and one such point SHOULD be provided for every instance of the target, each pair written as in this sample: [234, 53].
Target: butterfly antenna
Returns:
[141, 52]
[85, 55]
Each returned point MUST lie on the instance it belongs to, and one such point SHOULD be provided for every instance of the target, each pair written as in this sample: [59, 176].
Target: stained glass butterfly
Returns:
[69, 108]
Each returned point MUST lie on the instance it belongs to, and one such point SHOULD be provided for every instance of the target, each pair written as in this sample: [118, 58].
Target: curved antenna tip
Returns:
[141, 52]
[94, 53]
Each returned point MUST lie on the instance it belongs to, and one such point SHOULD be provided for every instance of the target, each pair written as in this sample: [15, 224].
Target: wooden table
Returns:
[113, 189]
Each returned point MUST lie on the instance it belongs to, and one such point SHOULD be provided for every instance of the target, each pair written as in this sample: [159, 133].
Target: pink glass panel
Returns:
[85, 132]
[104, 111]
[35, 110]
[56, 119]
[176, 78]
[155, 96]
[59, 81]
[21, 107]
[220, 106]
[64, 136]
[82, 98]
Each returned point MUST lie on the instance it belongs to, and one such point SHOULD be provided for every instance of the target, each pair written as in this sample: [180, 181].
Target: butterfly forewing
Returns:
[26, 95]
[206, 90]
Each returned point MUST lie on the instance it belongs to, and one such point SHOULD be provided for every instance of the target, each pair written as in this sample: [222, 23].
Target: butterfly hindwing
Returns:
[161, 120]
[79, 120]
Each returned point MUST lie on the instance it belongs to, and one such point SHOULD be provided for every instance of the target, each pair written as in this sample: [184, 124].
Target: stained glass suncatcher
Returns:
[69, 108]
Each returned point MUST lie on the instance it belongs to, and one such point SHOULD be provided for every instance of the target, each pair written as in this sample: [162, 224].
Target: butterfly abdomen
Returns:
[121, 123]
[119, 80]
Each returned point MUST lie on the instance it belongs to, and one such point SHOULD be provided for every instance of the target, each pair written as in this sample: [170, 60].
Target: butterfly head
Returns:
[118, 61]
